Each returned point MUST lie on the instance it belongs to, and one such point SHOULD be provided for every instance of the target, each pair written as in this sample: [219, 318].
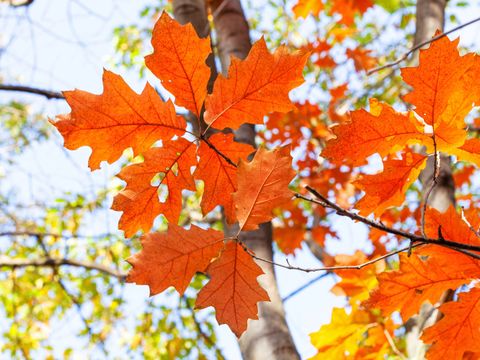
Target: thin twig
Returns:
[225, 157]
[417, 47]
[412, 237]
[465, 220]
[333, 268]
[200, 331]
[49, 94]
[57, 262]
[392, 345]
[54, 235]
[75, 301]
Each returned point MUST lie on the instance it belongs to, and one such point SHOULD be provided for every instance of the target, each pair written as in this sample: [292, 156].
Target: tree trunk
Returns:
[195, 12]
[430, 17]
[268, 337]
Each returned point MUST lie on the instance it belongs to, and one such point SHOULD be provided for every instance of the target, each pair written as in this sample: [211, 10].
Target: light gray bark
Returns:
[268, 337]
[430, 17]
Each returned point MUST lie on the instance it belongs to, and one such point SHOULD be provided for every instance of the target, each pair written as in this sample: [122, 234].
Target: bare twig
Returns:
[54, 235]
[333, 268]
[323, 201]
[57, 262]
[225, 157]
[49, 94]
[419, 46]
[200, 331]
[465, 220]
[392, 345]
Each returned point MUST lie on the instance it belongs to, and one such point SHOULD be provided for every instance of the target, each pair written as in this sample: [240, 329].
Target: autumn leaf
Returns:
[458, 331]
[178, 61]
[233, 289]
[383, 131]
[305, 7]
[172, 258]
[349, 8]
[463, 175]
[262, 186]
[254, 87]
[343, 334]
[291, 124]
[469, 151]
[444, 90]
[454, 228]
[361, 59]
[219, 176]
[289, 238]
[416, 282]
[321, 49]
[117, 120]
[388, 188]
[356, 284]
[140, 200]
[319, 234]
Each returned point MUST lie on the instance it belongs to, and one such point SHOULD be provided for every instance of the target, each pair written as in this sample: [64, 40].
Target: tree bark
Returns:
[430, 17]
[195, 12]
[268, 337]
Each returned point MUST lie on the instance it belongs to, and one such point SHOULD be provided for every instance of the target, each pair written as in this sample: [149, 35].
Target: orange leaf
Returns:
[381, 131]
[416, 282]
[219, 176]
[454, 229]
[349, 8]
[458, 331]
[263, 186]
[388, 188]
[463, 176]
[445, 88]
[254, 87]
[469, 151]
[233, 289]
[305, 7]
[361, 59]
[140, 201]
[320, 232]
[356, 284]
[289, 238]
[116, 120]
[178, 61]
[172, 258]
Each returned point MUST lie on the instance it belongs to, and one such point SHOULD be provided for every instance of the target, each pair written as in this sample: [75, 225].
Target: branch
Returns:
[422, 44]
[419, 240]
[208, 341]
[75, 301]
[49, 94]
[333, 268]
[57, 262]
[54, 235]
[225, 157]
